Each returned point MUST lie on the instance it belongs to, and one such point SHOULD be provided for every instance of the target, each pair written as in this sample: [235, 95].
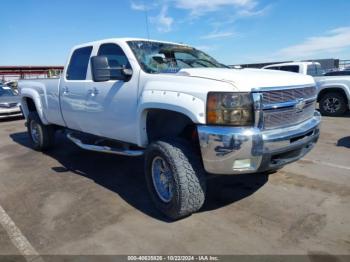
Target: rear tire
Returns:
[180, 189]
[333, 104]
[42, 136]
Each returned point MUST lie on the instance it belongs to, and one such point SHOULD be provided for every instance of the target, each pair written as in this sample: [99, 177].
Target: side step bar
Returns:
[104, 149]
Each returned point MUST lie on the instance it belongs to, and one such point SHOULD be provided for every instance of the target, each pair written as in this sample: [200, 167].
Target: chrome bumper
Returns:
[237, 150]
[10, 112]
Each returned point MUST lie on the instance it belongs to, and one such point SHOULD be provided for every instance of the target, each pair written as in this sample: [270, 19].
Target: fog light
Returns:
[242, 164]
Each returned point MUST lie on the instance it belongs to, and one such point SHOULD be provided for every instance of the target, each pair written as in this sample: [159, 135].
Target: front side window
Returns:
[157, 57]
[78, 64]
[116, 59]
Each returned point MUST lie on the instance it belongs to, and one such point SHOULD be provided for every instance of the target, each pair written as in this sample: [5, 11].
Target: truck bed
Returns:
[48, 88]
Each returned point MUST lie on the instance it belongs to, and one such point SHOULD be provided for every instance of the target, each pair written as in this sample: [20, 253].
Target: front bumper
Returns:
[237, 150]
[10, 112]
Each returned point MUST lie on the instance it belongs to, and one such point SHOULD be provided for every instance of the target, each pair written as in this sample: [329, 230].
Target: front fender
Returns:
[188, 105]
[322, 85]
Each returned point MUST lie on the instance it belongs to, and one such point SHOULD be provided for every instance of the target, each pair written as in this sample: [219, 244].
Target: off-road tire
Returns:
[189, 177]
[46, 133]
[343, 104]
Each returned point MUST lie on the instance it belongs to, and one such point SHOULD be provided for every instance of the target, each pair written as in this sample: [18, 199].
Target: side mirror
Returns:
[101, 70]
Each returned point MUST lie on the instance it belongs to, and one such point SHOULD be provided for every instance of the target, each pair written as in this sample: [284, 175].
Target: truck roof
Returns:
[124, 39]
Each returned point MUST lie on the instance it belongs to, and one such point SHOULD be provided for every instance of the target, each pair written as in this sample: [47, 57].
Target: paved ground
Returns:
[71, 201]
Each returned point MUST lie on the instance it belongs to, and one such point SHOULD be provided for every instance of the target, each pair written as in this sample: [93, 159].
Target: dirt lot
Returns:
[70, 201]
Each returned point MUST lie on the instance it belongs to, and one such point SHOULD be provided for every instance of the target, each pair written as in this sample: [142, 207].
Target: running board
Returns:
[104, 149]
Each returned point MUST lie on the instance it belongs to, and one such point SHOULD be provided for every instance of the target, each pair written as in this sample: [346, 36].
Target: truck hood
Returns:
[247, 79]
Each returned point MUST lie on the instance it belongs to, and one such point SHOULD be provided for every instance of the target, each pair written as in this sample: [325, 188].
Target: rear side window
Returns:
[78, 64]
[291, 68]
[273, 68]
[314, 70]
[311, 70]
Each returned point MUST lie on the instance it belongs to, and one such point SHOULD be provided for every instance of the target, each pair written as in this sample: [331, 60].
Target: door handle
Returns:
[65, 90]
[94, 91]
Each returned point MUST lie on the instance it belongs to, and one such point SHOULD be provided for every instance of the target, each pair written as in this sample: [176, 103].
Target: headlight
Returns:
[234, 109]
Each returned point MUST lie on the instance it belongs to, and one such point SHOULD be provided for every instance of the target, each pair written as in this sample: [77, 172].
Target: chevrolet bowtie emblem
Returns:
[300, 104]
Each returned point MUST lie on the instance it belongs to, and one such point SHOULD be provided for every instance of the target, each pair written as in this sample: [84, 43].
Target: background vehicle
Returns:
[181, 108]
[305, 68]
[13, 84]
[338, 73]
[334, 87]
[9, 103]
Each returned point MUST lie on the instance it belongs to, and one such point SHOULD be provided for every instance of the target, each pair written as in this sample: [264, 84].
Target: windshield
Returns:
[6, 91]
[156, 57]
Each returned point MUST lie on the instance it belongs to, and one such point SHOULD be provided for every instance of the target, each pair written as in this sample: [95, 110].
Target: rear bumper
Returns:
[237, 150]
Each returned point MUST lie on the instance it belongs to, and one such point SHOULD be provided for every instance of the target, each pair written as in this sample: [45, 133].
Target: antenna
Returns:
[146, 18]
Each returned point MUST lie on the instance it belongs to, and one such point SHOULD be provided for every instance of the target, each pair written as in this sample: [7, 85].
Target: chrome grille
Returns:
[281, 96]
[281, 108]
[287, 116]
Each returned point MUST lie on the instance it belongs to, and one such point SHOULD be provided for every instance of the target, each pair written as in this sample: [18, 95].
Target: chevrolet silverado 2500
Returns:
[187, 113]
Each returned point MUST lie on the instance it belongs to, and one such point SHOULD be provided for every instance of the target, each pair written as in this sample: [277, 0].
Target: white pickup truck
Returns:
[179, 107]
[334, 91]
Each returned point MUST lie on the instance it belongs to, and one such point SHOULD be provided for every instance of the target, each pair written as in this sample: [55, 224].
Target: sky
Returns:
[41, 32]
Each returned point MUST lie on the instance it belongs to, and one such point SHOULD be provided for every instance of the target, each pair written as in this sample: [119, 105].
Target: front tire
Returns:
[333, 104]
[42, 136]
[175, 178]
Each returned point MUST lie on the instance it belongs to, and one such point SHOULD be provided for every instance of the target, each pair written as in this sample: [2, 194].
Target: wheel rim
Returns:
[163, 180]
[35, 132]
[331, 105]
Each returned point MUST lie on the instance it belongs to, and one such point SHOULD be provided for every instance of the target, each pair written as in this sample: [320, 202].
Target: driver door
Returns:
[112, 104]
